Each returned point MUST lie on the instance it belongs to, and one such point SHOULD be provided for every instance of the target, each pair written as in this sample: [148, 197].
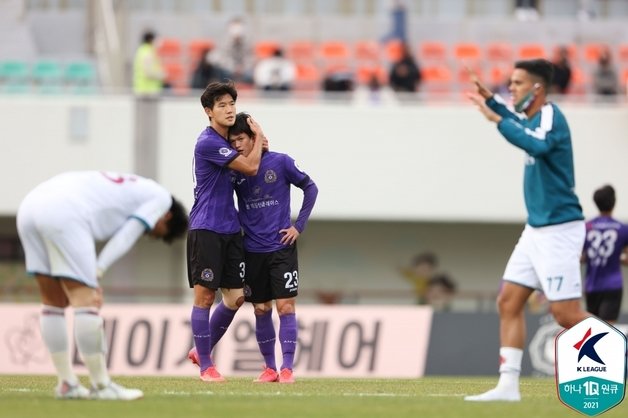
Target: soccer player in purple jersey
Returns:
[215, 256]
[270, 245]
[605, 250]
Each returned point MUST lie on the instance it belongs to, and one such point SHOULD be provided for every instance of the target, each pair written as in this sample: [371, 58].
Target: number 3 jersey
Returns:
[605, 240]
[264, 201]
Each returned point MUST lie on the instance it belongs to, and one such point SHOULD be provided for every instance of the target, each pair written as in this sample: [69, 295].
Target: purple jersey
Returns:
[606, 240]
[213, 207]
[264, 201]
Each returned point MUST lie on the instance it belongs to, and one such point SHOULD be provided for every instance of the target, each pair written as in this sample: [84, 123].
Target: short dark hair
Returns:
[427, 257]
[216, 90]
[541, 68]
[178, 222]
[604, 198]
[148, 37]
[241, 125]
[444, 280]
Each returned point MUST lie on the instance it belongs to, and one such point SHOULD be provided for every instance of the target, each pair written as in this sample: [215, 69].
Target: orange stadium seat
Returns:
[197, 46]
[624, 79]
[393, 50]
[265, 49]
[433, 51]
[592, 52]
[367, 50]
[467, 51]
[499, 52]
[334, 50]
[175, 74]
[499, 75]
[365, 73]
[307, 74]
[579, 81]
[622, 53]
[301, 50]
[531, 50]
[436, 78]
[169, 48]
[463, 75]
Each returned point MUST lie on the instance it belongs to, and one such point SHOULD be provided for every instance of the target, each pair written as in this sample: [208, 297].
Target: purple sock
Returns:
[265, 333]
[202, 337]
[288, 338]
[219, 322]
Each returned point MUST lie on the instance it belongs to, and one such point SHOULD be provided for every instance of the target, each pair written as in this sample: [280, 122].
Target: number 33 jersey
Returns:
[605, 241]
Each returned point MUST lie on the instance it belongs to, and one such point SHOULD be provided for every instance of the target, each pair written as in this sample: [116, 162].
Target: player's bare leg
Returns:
[511, 303]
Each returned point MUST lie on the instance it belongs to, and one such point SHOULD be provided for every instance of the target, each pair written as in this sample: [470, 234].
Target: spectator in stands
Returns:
[527, 10]
[399, 15]
[605, 79]
[58, 223]
[207, 70]
[237, 55]
[420, 272]
[148, 73]
[440, 292]
[338, 80]
[562, 72]
[275, 73]
[405, 74]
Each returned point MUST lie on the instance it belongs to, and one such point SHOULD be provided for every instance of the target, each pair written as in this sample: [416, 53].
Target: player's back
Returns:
[605, 241]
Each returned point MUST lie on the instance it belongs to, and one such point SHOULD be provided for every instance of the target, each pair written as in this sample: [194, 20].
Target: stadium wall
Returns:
[394, 180]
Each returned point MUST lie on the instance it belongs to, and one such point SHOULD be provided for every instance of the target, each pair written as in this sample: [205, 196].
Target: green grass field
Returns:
[31, 396]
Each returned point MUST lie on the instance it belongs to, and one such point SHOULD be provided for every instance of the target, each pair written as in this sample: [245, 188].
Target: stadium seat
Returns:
[169, 48]
[308, 76]
[48, 76]
[579, 81]
[334, 50]
[300, 51]
[365, 73]
[436, 78]
[622, 53]
[196, 47]
[393, 50]
[499, 75]
[14, 77]
[265, 49]
[467, 52]
[531, 51]
[366, 51]
[175, 74]
[81, 76]
[499, 52]
[463, 77]
[592, 52]
[433, 51]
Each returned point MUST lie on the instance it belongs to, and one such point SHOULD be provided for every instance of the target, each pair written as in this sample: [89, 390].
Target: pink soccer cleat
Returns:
[285, 376]
[212, 375]
[268, 375]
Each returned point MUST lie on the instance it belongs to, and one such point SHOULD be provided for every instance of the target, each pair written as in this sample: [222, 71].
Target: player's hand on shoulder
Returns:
[290, 235]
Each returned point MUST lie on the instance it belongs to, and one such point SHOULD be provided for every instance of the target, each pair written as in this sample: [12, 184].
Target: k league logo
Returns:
[591, 366]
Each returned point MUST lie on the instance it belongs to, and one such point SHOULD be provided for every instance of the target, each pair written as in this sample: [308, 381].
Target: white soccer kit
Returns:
[61, 219]
[548, 259]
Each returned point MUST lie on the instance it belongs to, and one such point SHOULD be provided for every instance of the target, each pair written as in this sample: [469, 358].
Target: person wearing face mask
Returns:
[207, 70]
[547, 255]
[605, 80]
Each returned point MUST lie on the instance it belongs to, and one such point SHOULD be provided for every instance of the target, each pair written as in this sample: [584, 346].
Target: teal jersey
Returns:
[549, 181]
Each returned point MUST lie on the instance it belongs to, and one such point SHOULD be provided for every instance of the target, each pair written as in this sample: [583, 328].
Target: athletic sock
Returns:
[265, 334]
[510, 368]
[89, 333]
[288, 338]
[202, 337]
[219, 323]
[54, 331]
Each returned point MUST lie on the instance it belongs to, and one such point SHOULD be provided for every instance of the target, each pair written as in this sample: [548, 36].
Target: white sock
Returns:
[54, 331]
[510, 368]
[507, 388]
[90, 340]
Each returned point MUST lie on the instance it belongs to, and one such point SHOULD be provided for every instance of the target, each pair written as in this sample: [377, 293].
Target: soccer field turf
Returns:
[31, 396]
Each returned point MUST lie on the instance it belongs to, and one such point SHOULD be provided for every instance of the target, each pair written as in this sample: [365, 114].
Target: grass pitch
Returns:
[31, 396]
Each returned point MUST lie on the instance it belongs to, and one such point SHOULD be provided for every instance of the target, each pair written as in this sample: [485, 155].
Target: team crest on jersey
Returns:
[270, 176]
[207, 275]
[225, 152]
